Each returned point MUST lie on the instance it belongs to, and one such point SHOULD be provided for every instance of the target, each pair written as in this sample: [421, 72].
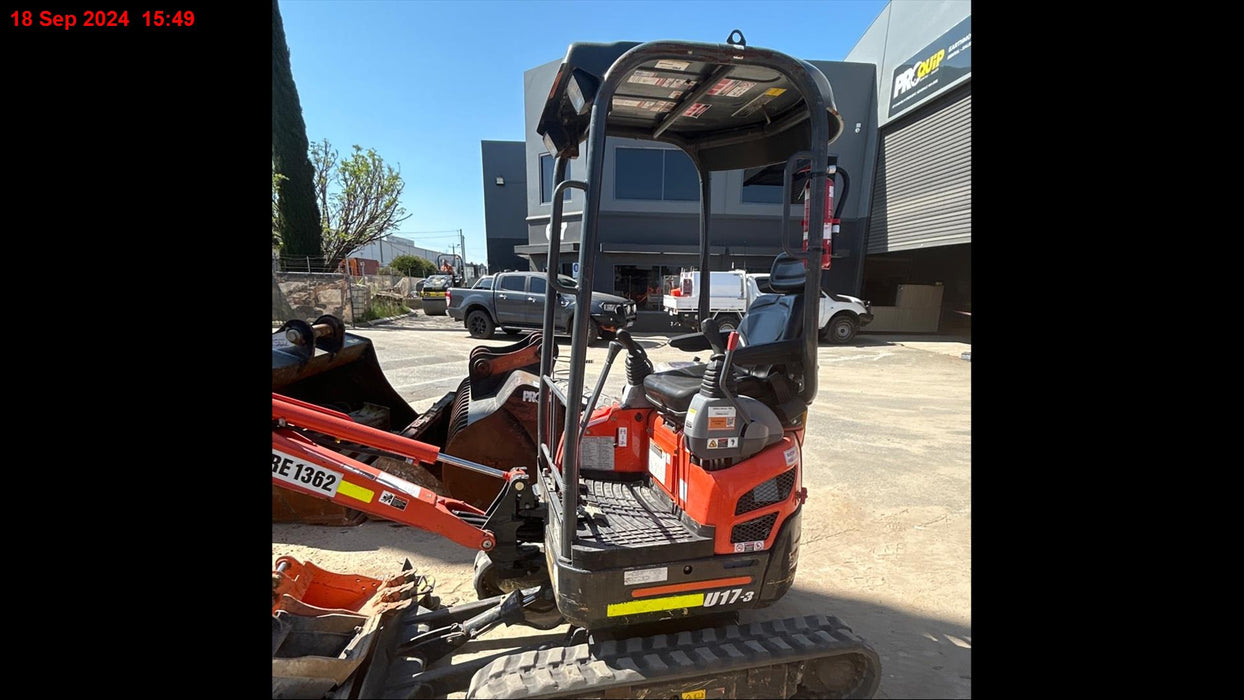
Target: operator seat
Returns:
[772, 318]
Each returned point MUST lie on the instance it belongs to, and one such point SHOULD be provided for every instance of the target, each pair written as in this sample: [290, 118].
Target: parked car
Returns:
[733, 292]
[515, 302]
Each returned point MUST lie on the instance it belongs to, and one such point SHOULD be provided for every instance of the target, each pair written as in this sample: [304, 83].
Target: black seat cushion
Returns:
[673, 390]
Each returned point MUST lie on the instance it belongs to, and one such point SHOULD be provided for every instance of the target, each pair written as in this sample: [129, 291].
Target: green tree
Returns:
[359, 199]
[299, 217]
[413, 266]
[276, 209]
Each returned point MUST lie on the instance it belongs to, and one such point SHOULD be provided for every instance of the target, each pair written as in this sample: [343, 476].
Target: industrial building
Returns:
[904, 92]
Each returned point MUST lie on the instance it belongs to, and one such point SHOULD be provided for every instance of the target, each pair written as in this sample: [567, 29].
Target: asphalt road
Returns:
[887, 525]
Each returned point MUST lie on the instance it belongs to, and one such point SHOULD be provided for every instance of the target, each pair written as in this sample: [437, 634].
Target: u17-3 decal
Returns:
[730, 596]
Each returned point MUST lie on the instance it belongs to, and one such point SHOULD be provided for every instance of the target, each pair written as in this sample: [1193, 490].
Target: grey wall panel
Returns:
[922, 192]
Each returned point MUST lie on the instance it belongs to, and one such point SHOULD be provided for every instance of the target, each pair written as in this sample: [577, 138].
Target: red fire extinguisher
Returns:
[830, 224]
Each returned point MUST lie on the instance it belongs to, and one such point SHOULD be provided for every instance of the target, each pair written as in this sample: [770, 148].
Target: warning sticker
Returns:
[722, 443]
[656, 462]
[597, 452]
[391, 499]
[756, 546]
[621, 437]
[630, 578]
[647, 105]
[760, 100]
[721, 418]
[646, 77]
[731, 88]
[695, 110]
[666, 64]
[791, 456]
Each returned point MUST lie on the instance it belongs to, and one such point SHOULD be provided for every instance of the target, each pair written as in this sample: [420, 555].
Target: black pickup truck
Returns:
[516, 302]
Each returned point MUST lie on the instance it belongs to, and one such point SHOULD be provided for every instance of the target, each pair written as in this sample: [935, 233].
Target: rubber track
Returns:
[573, 671]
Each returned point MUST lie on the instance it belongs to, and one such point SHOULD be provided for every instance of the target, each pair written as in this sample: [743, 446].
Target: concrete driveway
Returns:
[887, 526]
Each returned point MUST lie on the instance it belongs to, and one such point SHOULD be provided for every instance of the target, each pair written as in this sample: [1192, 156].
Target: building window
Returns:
[762, 194]
[546, 180]
[642, 284]
[655, 174]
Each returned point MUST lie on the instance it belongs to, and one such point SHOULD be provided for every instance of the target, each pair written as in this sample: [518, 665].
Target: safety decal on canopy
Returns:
[722, 443]
[667, 64]
[695, 110]
[647, 77]
[759, 101]
[731, 88]
[646, 105]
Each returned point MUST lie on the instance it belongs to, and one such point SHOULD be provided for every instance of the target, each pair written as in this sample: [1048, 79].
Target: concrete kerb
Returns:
[387, 319]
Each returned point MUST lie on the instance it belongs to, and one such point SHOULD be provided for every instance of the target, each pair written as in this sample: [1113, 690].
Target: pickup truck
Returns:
[516, 303]
[733, 292]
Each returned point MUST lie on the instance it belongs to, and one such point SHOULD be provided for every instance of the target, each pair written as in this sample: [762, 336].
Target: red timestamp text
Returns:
[102, 18]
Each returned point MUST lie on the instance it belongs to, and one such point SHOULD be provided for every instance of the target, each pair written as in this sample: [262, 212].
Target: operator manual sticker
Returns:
[631, 578]
[293, 470]
[720, 417]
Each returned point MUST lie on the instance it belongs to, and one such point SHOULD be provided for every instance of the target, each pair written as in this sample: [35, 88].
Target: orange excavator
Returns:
[643, 526]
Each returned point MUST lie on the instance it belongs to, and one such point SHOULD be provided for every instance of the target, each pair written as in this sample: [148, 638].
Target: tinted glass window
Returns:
[682, 182]
[538, 285]
[546, 180]
[762, 194]
[638, 173]
[513, 283]
[485, 283]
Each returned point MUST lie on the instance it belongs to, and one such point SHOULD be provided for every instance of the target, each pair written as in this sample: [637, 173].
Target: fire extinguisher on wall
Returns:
[831, 222]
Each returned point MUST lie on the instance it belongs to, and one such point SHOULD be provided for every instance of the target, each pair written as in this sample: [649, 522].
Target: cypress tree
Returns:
[300, 215]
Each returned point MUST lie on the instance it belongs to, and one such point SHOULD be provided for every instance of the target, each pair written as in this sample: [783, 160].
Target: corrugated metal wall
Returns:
[922, 194]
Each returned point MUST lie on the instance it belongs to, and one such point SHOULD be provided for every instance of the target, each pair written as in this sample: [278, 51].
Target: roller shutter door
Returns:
[922, 194]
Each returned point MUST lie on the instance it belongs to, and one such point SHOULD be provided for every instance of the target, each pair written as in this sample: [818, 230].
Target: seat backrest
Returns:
[766, 320]
[775, 317]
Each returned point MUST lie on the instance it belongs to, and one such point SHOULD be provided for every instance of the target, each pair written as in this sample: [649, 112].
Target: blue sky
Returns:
[424, 82]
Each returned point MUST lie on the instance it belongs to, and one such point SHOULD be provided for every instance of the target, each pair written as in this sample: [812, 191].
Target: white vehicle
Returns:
[733, 291]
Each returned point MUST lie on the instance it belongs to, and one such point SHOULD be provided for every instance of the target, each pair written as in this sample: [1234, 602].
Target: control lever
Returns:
[712, 333]
[614, 348]
[638, 366]
[726, 366]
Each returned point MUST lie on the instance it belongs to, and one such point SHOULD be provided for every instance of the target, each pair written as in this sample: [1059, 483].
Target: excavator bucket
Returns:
[490, 419]
[325, 624]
